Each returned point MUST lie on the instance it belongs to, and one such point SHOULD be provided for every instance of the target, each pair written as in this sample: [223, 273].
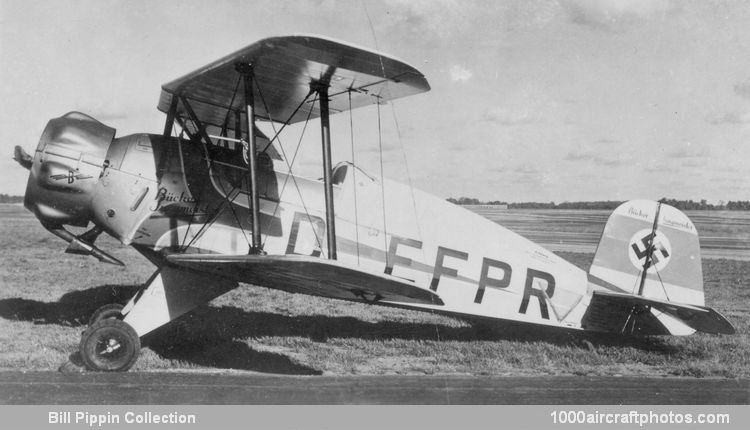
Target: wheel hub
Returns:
[109, 345]
[112, 346]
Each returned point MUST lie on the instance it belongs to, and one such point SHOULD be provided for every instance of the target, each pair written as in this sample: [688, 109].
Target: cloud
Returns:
[451, 22]
[599, 160]
[694, 162]
[525, 175]
[579, 155]
[742, 89]
[614, 15]
[387, 146]
[613, 161]
[526, 169]
[527, 103]
[505, 116]
[459, 73]
[590, 155]
[659, 167]
[688, 150]
[729, 118]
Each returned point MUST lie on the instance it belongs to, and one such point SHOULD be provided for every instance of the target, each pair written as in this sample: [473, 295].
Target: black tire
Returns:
[110, 345]
[112, 310]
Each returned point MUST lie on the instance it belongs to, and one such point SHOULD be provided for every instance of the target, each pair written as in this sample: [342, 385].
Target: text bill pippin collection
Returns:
[129, 417]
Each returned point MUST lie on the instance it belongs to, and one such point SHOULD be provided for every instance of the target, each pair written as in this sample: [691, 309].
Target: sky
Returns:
[531, 100]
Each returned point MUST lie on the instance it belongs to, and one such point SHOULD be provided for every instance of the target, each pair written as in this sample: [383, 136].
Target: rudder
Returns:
[672, 266]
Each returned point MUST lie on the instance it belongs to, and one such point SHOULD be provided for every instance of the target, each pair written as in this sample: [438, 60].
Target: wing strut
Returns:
[325, 130]
[246, 70]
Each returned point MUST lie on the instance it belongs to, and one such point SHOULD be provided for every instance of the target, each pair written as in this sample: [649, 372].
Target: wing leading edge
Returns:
[284, 68]
[308, 275]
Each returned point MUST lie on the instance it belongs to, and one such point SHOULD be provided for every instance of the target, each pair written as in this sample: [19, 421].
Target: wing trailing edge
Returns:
[308, 275]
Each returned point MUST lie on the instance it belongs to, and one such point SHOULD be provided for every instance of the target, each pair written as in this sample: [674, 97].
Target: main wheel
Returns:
[112, 310]
[110, 345]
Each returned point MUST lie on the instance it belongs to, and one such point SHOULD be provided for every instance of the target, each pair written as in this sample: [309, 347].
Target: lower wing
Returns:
[308, 275]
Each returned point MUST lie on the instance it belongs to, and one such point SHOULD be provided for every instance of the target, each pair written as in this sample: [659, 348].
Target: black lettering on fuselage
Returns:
[485, 280]
[442, 270]
[392, 259]
[319, 228]
[541, 295]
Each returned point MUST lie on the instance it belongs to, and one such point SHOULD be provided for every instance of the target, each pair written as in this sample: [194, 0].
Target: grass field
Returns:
[46, 297]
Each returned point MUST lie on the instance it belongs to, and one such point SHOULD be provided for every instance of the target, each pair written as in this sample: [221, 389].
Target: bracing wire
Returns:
[408, 174]
[382, 188]
[286, 160]
[354, 178]
[277, 133]
[179, 137]
[231, 103]
[398, 130]
[661, 282]
[213, 217]
[635, 282]
[291, 163]
[382, 68]
[218, 180]
[212, 177]
[220, 209]
[663, 287]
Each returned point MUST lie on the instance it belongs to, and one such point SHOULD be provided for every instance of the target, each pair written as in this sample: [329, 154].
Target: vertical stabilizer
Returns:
[651, 249]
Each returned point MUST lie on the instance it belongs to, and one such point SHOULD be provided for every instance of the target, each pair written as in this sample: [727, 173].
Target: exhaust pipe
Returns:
[83, 244]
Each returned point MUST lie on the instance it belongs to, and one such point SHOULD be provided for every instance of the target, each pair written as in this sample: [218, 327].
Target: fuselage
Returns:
[476, 266]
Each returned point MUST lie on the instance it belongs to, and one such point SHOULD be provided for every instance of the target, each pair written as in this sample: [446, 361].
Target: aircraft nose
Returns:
[62, 177]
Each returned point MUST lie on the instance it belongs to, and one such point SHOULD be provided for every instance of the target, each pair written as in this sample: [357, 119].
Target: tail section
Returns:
[652, 257]
[647, 275]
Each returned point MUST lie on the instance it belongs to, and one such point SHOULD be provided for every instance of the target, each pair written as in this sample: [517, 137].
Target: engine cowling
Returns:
[66, 168]
[80, 174]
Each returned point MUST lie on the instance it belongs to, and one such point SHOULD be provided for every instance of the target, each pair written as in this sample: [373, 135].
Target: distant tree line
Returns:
[601, 205]
[4, 198]
[740, 205]
[473, 201]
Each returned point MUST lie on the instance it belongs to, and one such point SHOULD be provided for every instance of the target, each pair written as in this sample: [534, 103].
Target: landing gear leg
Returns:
[112, 342]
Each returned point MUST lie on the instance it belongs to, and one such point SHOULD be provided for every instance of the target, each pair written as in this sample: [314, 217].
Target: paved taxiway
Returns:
[249, 388]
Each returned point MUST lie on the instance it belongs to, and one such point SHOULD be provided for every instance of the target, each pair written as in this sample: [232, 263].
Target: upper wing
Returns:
[308, 275]
[284, 68]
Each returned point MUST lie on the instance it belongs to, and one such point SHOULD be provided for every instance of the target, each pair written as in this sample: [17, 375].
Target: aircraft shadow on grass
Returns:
[208, 336]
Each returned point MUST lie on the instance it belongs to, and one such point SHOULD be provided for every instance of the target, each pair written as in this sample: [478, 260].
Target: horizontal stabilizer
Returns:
[631, 314]
[308, 275]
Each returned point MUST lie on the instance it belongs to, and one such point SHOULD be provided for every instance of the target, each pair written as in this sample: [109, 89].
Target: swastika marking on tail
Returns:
[646, 241]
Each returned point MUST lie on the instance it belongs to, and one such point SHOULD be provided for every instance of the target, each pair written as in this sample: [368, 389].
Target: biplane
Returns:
[212, 202]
